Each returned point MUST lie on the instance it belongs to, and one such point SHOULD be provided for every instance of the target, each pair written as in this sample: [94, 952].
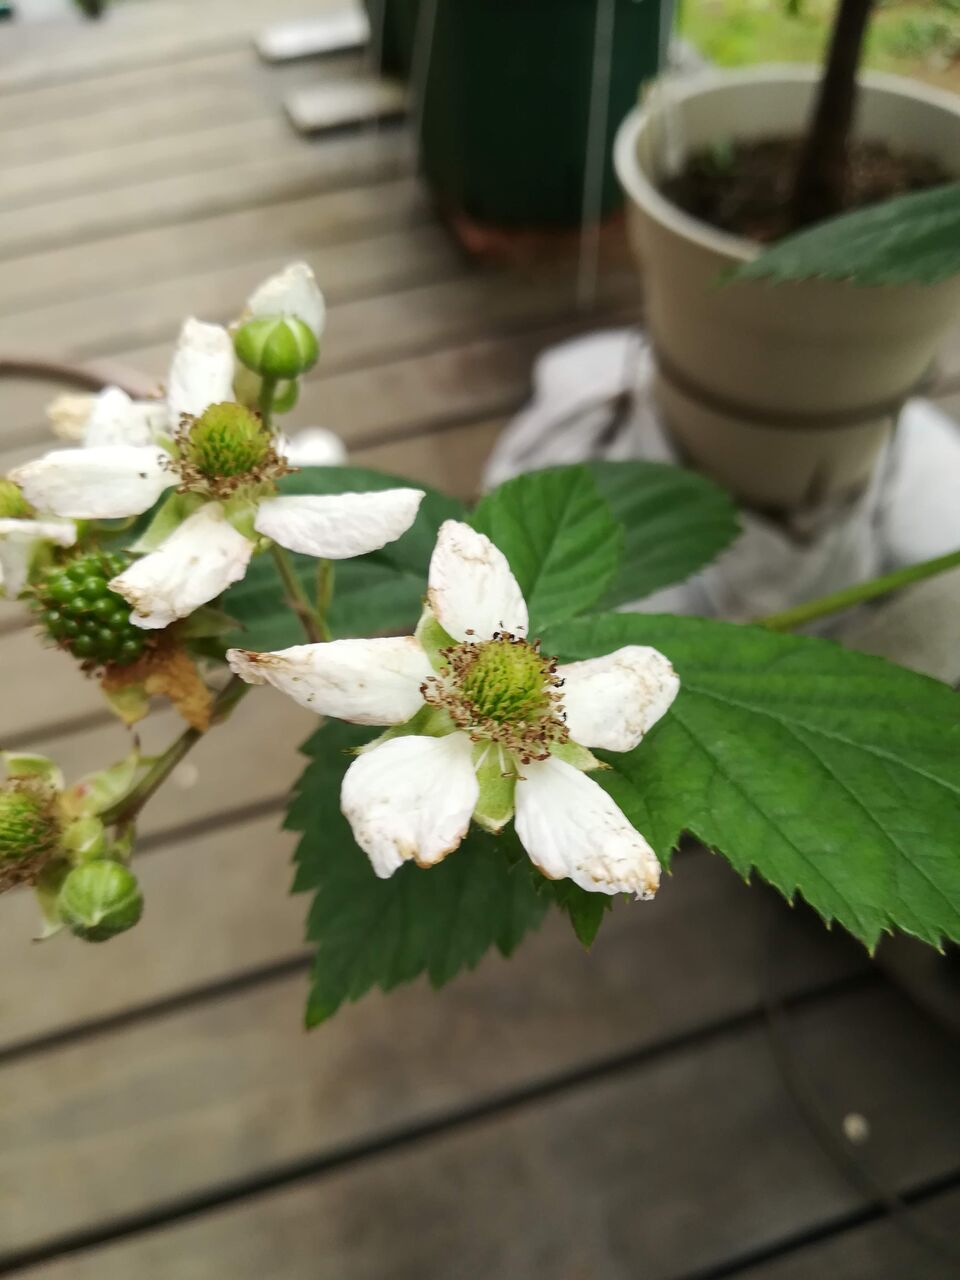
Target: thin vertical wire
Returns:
[420, 69]
[377, 14]
[596, 156]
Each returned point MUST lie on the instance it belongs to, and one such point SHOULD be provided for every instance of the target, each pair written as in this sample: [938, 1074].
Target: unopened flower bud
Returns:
[280, 347]
[98, 900]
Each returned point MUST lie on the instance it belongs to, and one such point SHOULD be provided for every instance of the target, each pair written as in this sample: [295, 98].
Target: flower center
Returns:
[502, 690]
[13, 505]
[226, 441]
[28, 829]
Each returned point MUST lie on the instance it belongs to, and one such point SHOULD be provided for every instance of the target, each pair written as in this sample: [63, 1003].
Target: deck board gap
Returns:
[830, 1229]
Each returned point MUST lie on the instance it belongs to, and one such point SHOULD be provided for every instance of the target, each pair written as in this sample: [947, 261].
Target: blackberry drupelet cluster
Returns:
[85, 617]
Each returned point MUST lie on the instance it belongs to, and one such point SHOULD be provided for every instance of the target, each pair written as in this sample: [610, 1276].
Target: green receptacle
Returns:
[506, 103]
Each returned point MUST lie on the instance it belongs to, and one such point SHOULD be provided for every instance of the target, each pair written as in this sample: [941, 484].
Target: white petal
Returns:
[116, 419]
[291, 292]
[410, 798]
[363, 681]
[18, 538]
[613, 701]
[471, 588]
[313, 447]
[572, 829]
[105, 483]
[202, 370]
[201, 558]
[338, 525]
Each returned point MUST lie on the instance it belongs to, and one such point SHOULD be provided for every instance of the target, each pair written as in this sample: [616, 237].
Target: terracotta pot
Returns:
[784, 393]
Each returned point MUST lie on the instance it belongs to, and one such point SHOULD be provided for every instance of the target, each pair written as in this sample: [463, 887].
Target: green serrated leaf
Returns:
[372, 932]
[914, 239]
[560, 537]
[675, 522]
[831, 773]
[380, 593]
[585, 911]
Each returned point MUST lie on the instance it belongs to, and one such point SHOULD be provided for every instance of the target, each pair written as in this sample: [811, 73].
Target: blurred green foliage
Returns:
[912, 37]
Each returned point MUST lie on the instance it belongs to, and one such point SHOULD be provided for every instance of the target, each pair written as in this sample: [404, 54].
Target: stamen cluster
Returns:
[502, 690]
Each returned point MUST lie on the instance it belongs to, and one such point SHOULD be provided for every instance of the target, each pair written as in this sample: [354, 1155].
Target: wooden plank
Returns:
[41, 687]
[878, 1249]
[201, 149]
[219, 1092]
[286, 227]
[54, 103]
[341, 29]
[258, 181]
[642, 1173]
[119, 121]
[136, 34]
[218, 905]
[151, 313]
[321, 108]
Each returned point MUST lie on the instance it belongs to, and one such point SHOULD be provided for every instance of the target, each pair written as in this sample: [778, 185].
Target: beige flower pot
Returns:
[786, 394]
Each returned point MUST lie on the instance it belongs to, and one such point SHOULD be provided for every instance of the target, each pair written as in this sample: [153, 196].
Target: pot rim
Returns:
[642, 191]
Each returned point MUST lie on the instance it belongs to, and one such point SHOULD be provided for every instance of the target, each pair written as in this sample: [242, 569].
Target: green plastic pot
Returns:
[507, 99]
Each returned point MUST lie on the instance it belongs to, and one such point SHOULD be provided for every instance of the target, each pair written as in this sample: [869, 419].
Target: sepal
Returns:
[433, 639]
[497, 776]
[24, 764]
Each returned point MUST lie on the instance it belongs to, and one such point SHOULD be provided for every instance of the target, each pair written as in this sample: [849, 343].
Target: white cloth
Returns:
[591, 399]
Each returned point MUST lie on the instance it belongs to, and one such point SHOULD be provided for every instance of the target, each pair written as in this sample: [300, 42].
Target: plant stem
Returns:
[822, 169]
[872, 590]
[268, 387]
[313, 624]
[125, 811]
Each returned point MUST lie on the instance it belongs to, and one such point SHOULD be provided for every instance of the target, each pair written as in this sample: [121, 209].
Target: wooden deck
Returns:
[674, 1106]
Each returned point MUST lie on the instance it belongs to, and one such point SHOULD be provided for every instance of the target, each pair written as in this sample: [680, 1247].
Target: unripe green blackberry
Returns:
[29, 831]
[83, 615]
[98, 900]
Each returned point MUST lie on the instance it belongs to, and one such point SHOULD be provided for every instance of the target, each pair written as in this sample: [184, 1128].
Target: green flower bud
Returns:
[227, 440]
[280, 347]
[98, 900]
[13, 505]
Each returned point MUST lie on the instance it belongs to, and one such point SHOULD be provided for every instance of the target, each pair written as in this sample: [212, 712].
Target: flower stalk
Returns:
[837, 601]
[312, 621]
[125, 811]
